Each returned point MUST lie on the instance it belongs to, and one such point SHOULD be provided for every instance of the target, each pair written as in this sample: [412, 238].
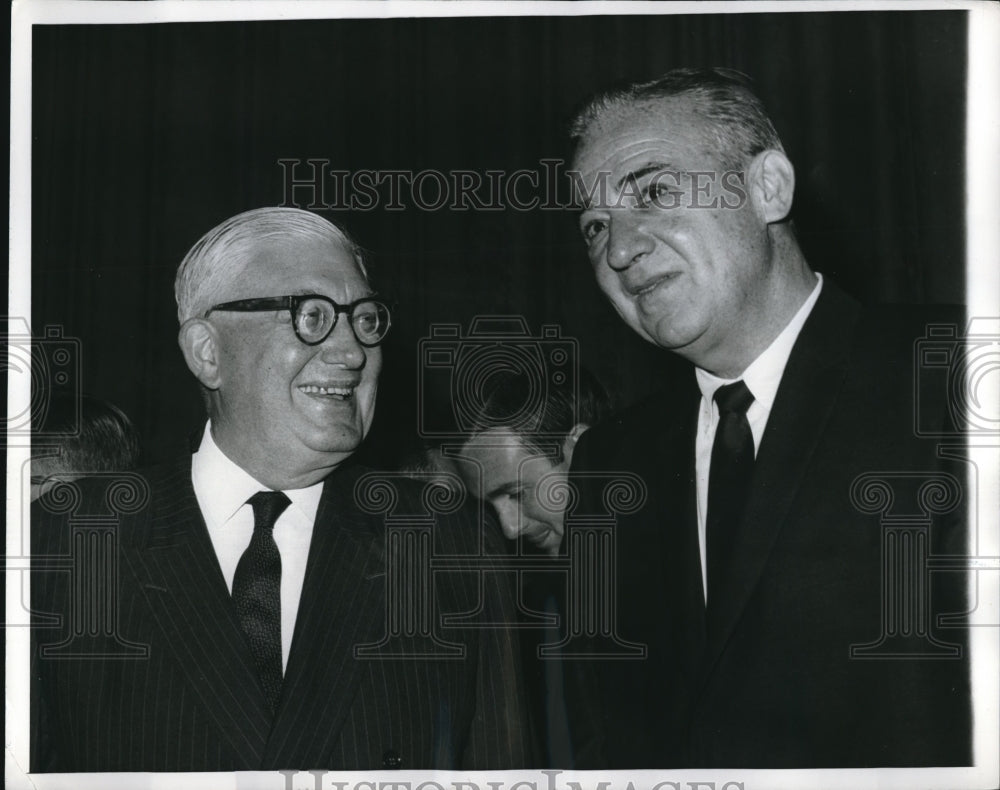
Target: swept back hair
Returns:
[737, 123]
[219, 256]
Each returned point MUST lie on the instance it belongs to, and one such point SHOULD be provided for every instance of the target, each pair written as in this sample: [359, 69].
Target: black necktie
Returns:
[728, 481]
[257, 592]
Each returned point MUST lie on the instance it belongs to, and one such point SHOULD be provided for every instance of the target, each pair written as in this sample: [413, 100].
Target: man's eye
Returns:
[515, 495]
[660, 194]
[367, 321]
[657, 190]
[592, 229]
[311, 319]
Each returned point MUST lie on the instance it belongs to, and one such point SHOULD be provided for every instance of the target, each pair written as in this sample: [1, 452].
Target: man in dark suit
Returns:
[758, 574]
[245, 625]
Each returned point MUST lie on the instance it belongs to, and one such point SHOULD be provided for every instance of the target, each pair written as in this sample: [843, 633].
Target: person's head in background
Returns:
[522, 447]
[80, 435]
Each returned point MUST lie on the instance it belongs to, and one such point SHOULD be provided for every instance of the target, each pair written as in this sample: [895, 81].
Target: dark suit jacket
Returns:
[770, 680]
[175, 689]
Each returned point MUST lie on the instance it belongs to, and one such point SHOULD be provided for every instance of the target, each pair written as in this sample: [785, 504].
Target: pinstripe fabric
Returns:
[195, 704]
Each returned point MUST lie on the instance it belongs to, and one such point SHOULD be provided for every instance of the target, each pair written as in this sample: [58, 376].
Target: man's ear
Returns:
[569, 443]
[199, 341]
[772, 185]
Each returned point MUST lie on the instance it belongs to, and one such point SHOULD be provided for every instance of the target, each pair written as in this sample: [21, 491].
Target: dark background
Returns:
[144, 137]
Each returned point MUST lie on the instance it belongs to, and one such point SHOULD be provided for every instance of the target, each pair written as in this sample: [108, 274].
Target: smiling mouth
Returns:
[652, 285]
[341, 392]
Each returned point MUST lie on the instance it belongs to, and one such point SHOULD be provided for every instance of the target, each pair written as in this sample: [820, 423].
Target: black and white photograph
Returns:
[483, 396]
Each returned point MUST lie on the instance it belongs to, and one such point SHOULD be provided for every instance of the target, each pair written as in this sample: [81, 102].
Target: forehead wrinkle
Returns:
[653, 123]
[642, 172]
[336, 262]
[624, 150]
[649, 148]
[635, 158]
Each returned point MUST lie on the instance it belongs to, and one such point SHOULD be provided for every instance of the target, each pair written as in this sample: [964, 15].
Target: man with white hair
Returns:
[252, 576]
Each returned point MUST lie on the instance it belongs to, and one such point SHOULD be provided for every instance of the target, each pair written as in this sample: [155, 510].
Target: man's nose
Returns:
[628, 239]
[509, 518]
[341, 346]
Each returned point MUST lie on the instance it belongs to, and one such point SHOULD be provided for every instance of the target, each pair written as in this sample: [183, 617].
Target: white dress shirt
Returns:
[222, 489]
[762, 378]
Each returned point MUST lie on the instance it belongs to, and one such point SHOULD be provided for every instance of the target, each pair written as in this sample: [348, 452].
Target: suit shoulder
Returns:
[888, 338]
[910, 322]
[126, 497]
[635, 423]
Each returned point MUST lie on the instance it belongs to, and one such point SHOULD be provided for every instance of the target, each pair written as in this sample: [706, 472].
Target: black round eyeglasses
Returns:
[314, 316]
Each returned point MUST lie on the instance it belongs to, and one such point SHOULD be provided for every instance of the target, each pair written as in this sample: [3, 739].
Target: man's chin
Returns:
[668, 335]
[544, 545]
[337, 445]
[527, 547]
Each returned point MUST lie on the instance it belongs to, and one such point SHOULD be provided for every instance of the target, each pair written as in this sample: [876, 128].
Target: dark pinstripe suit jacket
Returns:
[172, 686]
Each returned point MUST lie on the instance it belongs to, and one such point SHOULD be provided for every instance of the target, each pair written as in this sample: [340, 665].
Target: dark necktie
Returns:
[728, 482]
[257, 592]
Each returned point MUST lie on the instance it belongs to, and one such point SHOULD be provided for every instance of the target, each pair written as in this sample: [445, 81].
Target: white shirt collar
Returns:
[763, 375]
[223, 487]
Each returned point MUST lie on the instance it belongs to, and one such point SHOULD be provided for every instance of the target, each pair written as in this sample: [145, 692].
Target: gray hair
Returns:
[219, 256]
[737, 123]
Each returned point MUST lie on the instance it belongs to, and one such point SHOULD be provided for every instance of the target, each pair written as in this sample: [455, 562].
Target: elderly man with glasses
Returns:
[253, 576]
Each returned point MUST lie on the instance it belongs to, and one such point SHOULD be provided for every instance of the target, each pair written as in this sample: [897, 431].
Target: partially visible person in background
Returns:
[426, 460]
[520, 451]
[517, 459]
[77, 435]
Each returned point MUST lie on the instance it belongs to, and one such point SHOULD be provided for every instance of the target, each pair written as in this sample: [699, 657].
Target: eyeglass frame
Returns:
[291, 303]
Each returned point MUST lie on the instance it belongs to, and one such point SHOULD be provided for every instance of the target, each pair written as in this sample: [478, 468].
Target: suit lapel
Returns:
[176, 566]
[805, 399]
[664, 610]
[684, 595]
[342, 604]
